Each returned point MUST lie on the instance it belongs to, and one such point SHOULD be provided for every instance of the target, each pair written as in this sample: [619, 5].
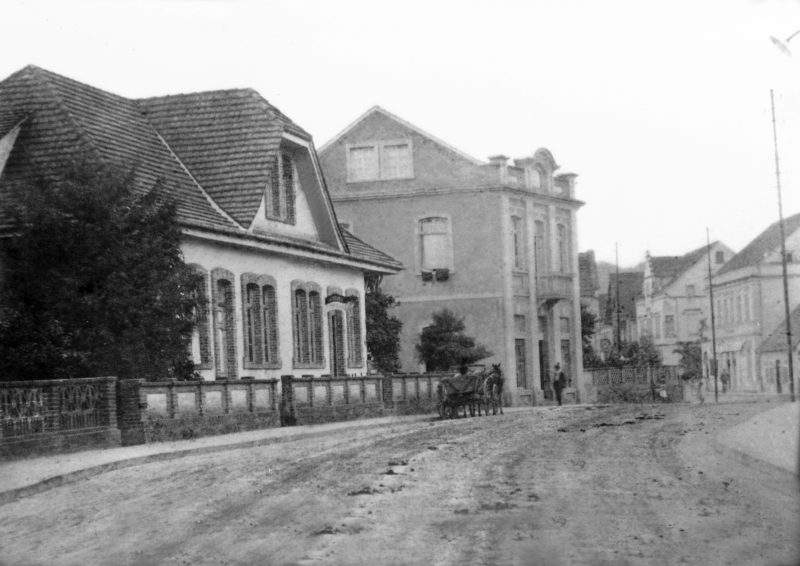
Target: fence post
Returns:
[129, 412]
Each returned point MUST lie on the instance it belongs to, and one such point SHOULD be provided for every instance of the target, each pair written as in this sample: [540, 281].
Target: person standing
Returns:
[725, 377]
[559, 383]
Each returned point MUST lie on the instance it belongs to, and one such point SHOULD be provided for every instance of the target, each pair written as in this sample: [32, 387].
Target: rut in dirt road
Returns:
[567, 485]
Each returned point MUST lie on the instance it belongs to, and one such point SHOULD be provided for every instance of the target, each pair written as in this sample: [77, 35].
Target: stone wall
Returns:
[633, 385]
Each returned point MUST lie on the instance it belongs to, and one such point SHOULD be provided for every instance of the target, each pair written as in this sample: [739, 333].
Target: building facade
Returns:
[495, 242]
[674, 305]
[284, 284]
[749, 307]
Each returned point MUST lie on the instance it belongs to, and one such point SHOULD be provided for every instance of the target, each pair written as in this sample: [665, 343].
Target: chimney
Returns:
[501, 162]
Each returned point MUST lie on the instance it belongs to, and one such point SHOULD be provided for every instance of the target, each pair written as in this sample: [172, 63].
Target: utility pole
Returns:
[713, 324]
[619, 327]
[783, 252]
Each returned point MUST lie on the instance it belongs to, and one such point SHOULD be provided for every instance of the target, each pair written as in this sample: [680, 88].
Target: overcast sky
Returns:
[661, 108]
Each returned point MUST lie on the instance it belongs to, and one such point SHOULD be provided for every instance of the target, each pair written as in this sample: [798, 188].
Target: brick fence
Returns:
[57, 415]
[54, 416]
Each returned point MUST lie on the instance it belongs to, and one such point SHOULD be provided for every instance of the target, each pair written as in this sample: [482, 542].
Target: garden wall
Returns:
[57, 415]
[634, 385]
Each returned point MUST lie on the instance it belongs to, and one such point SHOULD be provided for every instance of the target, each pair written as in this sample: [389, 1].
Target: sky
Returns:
[662, 108]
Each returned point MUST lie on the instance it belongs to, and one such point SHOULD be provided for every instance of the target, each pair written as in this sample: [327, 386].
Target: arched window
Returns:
[563, 247]
[259, 322]
[540, 245]
[224, 329]
[269, 313]
[201, 343]
[307, 322]
[355, 356]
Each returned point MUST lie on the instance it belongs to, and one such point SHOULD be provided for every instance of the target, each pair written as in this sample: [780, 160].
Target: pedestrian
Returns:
[560, 382]
[725, 377]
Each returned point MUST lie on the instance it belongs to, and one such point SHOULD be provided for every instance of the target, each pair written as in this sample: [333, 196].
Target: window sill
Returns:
[267, 365]
[319, 365]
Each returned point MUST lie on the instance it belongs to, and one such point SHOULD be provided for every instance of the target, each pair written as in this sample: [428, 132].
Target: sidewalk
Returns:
[772, 437]
[19, 478]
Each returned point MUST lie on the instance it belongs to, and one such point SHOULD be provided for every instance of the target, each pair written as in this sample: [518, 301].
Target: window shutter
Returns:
[315, 321]
[270, 324]
[203, 326]
[288, 186]
[276, 192]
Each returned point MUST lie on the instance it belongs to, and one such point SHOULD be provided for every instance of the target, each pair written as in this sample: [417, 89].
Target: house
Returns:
[284, 284]
[674, 301]
[618, 323]
[750, 311]
[774, 360]
[495, 242]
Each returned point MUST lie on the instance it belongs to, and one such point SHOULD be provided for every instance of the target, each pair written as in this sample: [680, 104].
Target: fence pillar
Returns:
[129, 412]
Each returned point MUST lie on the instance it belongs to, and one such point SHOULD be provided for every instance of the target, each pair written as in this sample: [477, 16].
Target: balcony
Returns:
[554, 287]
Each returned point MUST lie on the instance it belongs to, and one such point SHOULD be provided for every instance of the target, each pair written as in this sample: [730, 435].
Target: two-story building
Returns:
[749, 307]
[284, 284]
[674, 301]
[495, 242]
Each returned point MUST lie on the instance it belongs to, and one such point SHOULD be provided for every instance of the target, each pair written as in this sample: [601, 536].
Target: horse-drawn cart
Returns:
[471, 391]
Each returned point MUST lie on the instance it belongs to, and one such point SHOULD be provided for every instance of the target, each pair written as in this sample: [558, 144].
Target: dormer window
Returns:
[380, 161]
[280, 196]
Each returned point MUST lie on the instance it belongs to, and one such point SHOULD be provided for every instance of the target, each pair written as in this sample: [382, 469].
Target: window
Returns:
[669, 325]
[224, 333]
[719, 257]
[739, 313]
[435, 244]
[307, 325]
[534, 178]
[562, 244]
[690, 290]
[355, 357]
[522, 364]
[383, 160]
[518, 235]
[259, 321]
[520, 327]
[564, 324]
[657, 325]
[539, 242]
[280, 201]
[201, 343]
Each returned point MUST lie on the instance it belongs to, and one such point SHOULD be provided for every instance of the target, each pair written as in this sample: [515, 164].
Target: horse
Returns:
[492, 390]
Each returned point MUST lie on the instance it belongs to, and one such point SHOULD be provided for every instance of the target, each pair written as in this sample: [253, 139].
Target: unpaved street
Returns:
[568, 485]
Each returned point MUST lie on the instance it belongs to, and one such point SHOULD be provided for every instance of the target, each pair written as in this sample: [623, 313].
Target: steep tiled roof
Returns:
[360, 249]
[668, 268]
[64, 118]
[776, 341]
[211, 152]
[587, 274]
[228, 141]
[630, 287]
[767, 242]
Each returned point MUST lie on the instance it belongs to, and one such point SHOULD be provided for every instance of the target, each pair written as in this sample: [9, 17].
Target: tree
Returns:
[94, 281]
[383, 330]
[691, 362]
[588, 325]
[443, 344]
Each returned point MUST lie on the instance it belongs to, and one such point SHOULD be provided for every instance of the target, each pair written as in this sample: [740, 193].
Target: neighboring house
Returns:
[619, 310]
[284, 285]
[774, 360]
[674, 302]
[749, 308]
[494, 242]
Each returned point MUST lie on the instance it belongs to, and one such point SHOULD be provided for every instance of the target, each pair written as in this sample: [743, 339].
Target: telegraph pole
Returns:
[783, 252]
[713, 325]
[619, 328]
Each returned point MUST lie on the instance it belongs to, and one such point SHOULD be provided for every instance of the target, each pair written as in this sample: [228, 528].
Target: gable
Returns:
[434, 164]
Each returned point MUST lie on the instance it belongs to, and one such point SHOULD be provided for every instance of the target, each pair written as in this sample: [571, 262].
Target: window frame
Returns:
[379, 147]
[419, 247]
[355, 340]
[264, 333]
[278, 194]
[305, 330]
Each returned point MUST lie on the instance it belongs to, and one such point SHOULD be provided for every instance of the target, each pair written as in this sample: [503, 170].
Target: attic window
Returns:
[381, 160]
[280, 197]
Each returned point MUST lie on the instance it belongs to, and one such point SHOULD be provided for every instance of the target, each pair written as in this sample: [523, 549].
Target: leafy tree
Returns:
[383, 330]
[443, 344]
[588, 325]
[691, 362]
[637, 353]
[94, 281]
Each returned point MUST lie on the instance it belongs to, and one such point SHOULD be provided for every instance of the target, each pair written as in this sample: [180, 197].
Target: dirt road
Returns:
[567, 485]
